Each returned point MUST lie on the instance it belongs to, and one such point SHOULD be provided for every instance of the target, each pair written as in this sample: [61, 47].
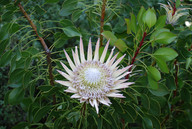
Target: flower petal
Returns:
[76, 96]
[123, 85]
[96, 105]
[77, 56]
[104, 52]
[69, 61]
[112, 60]
[112, 94]
[123, 75]
[117, 62]
[96, 56]
[89, 54]
[65, 75]
[82, 55]
[91, 102]
[120, 71]
[103, 101]
[65, 83]
[67, 69]
[71, 90]
[110, 55]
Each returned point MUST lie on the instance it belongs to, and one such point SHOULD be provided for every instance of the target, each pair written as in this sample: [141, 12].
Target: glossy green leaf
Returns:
[16, 96]
[160, 91]
[152, 83]
[154, 73]
[68, 7]
[162, 64]
[140, 15]
[16, 75]
[121, 45]
[40, 113]
[149, 18]
[162, 36]
[155, 108]
[128, 22]
[145, 101]
[71, 31]
[5, 58]
[185, 95]
[170, 82]
[3, 45]
[76, 15]
[161, 22]
[166, 54]
[110, 36]
[188, 62]
[21, 125]
[133, 23]
[147, 123]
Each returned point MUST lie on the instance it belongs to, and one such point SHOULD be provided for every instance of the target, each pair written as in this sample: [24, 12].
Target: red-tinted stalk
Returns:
[137, 52]
[174, 9]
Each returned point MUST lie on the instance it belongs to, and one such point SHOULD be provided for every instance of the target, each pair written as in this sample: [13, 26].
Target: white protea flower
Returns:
[173, 14]
[94, 80]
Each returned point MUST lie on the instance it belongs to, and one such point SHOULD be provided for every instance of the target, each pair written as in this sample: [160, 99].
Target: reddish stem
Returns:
[51, 79]
[174, 9]
[102, 22]
[137, 52]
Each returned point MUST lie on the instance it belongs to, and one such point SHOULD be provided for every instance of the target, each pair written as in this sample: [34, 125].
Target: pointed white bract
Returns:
[94, 80]
[172, 13]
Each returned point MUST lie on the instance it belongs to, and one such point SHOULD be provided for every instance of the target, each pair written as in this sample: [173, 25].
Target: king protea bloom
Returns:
[173, 14]
[92, 80]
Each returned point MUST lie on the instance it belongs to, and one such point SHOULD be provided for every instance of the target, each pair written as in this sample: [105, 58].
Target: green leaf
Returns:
[188, 63]
[155, 108]
[66, 23]
[140, 15]
[40, 113]
[133, 23]
[76, 15]
[160, 91]
[185, 95]
[162, 36]
[170, 82]
[51, 1]
[68, 7]
[178, 2]
[73, 117]
[161, 22]
[16, 96]
[149, 18]
[121, 45]
[152, 83]
[147, 123]
[162, 65]
[154, 73]
[7, 16]
[71, 31]
[17, 75]
[165, 38]
[25, 103]
[5, 58]
[145, 101]
[166, 54]
[128, 22]
[110, 36]
[21, 125]
[3, 45]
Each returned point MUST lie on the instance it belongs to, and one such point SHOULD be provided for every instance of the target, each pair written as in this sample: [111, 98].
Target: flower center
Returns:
[92, 79]
[92, 75]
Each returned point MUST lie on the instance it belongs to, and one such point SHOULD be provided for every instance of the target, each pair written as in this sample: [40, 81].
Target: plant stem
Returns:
[102, 22]
[47, 51]
[137, 52]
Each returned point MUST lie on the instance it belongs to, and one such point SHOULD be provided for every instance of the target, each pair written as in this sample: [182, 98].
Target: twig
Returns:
[51, 80]
[137, 52]
[102, 21]
[176, 79]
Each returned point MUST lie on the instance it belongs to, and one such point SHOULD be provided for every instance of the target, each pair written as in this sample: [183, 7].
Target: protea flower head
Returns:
[173, 14]
[92, 80]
